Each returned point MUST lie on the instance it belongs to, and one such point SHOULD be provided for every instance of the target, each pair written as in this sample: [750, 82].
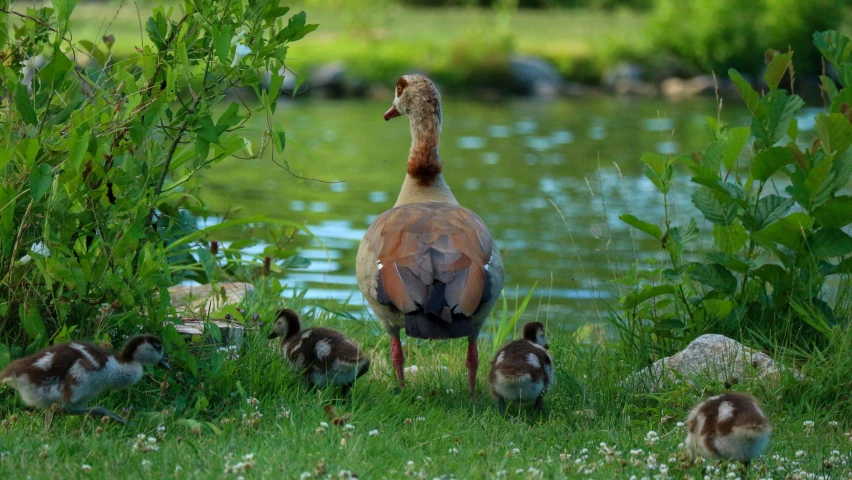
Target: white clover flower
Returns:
[453, 450]
[679, 424]
[651, 438]
[239, 36]
[324, 424]
[800, 453]
[833, 423]
[86, 468]
[284, 413]
[239, 53]
[305, 475]
[420, 419]
[373, 433]
[349, 426]
[252, 401]
[178, 468]
[664, 469]
[146, 464]
[516, 450]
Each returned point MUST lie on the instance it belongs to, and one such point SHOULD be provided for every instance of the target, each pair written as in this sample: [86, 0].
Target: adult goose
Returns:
[428, 265]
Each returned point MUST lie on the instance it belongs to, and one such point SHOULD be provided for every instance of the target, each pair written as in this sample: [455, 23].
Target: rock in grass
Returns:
[709, 358]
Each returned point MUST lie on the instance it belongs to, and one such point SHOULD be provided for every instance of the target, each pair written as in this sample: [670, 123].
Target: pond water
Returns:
[549, 178]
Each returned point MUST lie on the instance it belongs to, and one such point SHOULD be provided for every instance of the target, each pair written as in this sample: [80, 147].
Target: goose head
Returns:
[534, 332]
[417, 97]
[286, 324]
[145, 349]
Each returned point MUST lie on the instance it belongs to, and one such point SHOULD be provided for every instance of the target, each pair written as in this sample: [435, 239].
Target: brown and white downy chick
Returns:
[731, 426]
[71, 374]
[325, 356]
[522, 370]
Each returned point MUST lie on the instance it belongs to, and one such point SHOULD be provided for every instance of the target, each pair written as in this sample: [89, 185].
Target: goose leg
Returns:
[94, 412]
[472, 366]
[501, 405]
[398, 360]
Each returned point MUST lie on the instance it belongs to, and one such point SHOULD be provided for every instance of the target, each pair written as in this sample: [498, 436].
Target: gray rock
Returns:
[709, 358]
[702, 85]
[329, 81]
[628, 79]
[194, 304]
[534, 76]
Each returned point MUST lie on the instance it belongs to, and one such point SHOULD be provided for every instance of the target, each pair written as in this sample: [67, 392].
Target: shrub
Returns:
[99, 197]
[734, 33]
[771, 197]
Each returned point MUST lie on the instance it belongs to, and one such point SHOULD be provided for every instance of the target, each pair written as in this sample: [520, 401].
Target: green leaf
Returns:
[844, 267]
[772, 274]
[222, 42]
[229, 118]
[788, 231]
[833, 45]
[24, 105]
[63, 10]
[769, 209]
[730, 238]
[279, 139]
[776, 68]
[713, 208]
[736, 140]
[56, 70]
[782, 110]
[828, 86]
[32, 322]
[717, 308]
[845, 96]
[818, 181]
[835, 214]
[5, 355]
[770, 161]
[731, 262]
[79, 143]
[751, 98]
[729, 190]
[844, 74]
[649, 228]
[659, 170]
[714, 276]
[206, 129]
[830, 242]
[40, 179]
[834, 132]
[5, 156]
[632, 300]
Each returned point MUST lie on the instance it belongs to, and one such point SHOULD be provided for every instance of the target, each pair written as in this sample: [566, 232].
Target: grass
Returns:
[256, 406]
[378, 43]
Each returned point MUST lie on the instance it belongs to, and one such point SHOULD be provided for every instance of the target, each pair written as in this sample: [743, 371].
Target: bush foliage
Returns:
[99, 194]
[773, 203]
[734, 33]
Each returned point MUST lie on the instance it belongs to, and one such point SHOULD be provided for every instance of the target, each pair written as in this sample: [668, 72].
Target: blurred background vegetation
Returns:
[484, 45]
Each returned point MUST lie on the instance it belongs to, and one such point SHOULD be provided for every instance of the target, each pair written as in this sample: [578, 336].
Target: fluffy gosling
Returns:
[325, 356]
[71, 374]
[522, 370]
[731, 426]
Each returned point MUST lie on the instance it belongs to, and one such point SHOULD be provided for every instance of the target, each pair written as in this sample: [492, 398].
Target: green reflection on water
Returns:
[541, 174]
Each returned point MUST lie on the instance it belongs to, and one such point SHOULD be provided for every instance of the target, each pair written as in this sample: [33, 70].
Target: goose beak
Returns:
[272, 335]
[164, 365]
[392, 113]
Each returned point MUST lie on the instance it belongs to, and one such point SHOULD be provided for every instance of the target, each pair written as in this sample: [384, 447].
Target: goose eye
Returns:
[398, 90]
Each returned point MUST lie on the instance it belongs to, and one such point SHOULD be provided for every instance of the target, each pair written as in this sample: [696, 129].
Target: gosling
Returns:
[324, 356]
[731, 426]
[522, 370]
[71, 374]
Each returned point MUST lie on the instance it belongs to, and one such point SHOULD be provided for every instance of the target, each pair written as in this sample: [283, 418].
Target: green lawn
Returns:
[592, 429]
[380, 42]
